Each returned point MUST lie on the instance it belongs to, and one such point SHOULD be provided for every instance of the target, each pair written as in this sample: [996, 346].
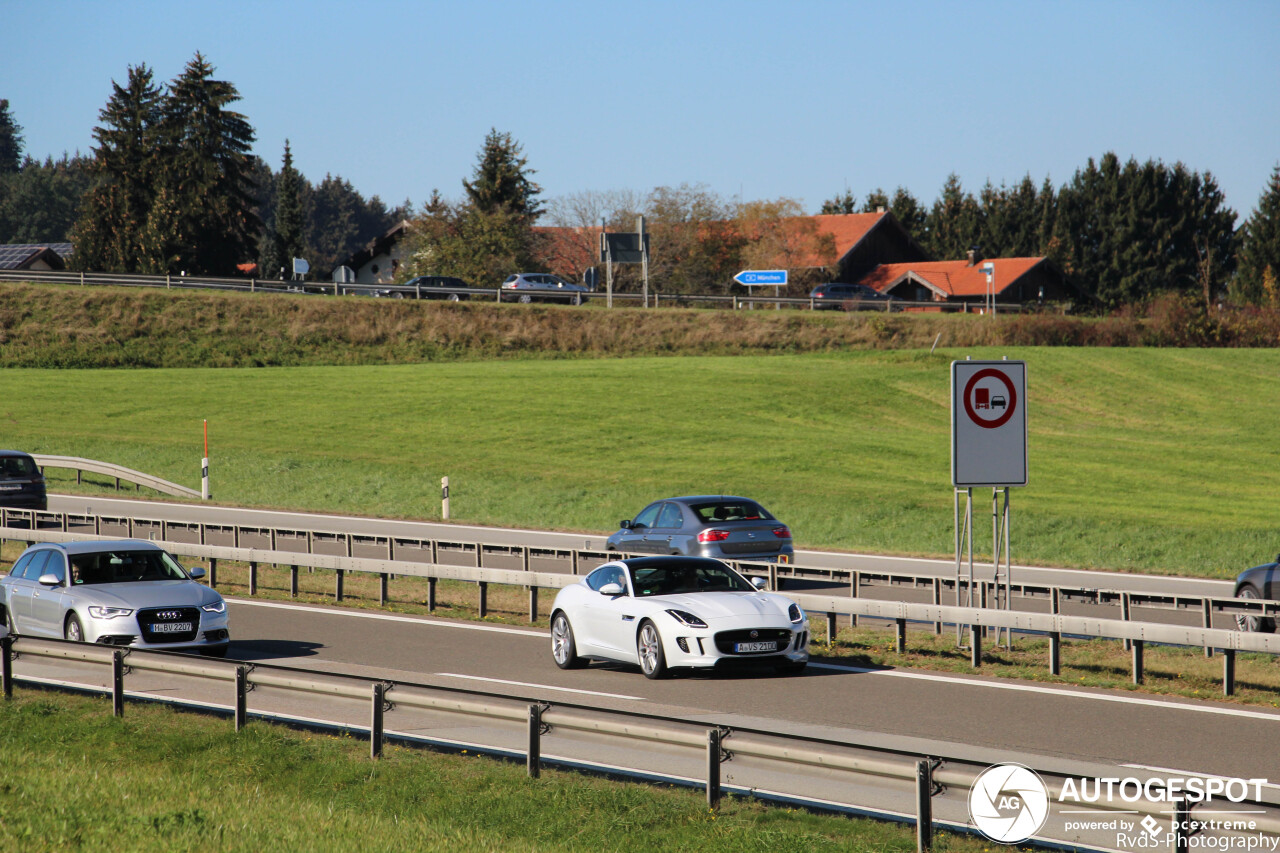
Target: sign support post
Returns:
[988, 448]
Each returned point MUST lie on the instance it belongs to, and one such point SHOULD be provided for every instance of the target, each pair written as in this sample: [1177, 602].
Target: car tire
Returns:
[564, 650]
[653, 662]
[73, 630]
[576, 300]
[455, 297]
[1259, 624]
[525, 299]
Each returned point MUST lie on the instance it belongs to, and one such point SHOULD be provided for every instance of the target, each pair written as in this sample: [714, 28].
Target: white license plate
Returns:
[10, 487]
[170, 627]
[771, 646]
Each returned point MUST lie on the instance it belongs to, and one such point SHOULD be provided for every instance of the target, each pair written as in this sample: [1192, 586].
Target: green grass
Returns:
[77, 778]
[1140, 459]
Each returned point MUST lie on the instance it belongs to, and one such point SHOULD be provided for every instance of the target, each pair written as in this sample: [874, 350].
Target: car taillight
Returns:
[782, 532]
[713, 536]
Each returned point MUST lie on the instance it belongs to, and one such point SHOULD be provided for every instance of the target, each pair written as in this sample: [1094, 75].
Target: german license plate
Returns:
[770, 646]
[9, 487]
[170, 627]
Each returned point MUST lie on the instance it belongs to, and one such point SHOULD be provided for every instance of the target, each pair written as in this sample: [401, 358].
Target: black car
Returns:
[1258, 583]
[21, 483]
[838, 296]
[435, 287]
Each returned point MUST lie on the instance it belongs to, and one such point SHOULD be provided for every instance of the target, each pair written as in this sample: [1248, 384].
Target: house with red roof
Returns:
[1015, 280]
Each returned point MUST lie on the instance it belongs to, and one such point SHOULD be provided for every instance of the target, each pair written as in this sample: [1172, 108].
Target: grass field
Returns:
[77, 778]
[1140, 459]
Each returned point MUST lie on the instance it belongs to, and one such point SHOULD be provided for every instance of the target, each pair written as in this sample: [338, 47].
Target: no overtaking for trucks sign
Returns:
[988, 423]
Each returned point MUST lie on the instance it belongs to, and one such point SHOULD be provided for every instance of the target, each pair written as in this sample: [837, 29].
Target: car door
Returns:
[47, 601]
[633, 539]
[661, 538]
[22, 589]
[603, 617]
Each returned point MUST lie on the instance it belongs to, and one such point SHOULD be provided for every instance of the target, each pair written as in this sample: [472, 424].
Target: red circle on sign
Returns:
[968, 403]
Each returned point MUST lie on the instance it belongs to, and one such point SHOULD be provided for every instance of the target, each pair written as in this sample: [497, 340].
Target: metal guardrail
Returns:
[255, 285]
[854, 776]
[1054, 624]
[119, 472]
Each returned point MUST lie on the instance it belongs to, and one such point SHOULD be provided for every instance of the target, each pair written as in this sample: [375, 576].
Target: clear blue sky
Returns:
[799, 99]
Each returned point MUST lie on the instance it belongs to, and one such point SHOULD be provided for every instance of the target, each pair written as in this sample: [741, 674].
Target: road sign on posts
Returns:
[988, 423]
[754, 277]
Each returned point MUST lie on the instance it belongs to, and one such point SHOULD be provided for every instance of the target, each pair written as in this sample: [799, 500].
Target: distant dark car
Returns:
[720, 526]
[838, 296]
[21, 483]
[436, 287]
[1257, 583]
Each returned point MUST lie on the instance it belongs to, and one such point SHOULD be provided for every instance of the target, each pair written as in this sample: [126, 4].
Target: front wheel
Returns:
[563, 647]
[454, 297]
[73, 630]
[525, 299]
[1248, 622]
[653, 661]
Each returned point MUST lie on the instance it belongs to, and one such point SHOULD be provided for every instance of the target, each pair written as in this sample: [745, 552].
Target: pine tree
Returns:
[10, 141]
[954, 223]
[501, 180]
[289, 240]
[908, 211]
[875, 201]
[837, 204]
[1259, 256]
[205, 169]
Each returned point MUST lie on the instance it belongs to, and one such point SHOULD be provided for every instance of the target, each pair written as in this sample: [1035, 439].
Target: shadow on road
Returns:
[259, 650]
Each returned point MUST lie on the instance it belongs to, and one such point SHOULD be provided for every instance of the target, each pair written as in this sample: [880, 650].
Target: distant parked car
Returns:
[539, 286]
[720, 526]
[1260, 582]
[838, 296]
[437, 287]
[21, 483]
[119, 592]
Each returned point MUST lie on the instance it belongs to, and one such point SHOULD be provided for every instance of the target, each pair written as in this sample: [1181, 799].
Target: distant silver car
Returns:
[120, 592]
[725, 527]
[538, 286]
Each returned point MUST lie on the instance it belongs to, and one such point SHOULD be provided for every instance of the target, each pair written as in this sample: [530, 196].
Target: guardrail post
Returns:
[937, 599]
[1181, 825]
[242, 692]
[484, 598]
[431, 595]
[117, 683]
[383, 579]
[900, 631]
[975, 645]
[1228, 672]
[375, 723]
[573, 562]
[533, 757]
[1137, 661]
[253, 578]
[533, 604]
[6, 665]
[1208, 622]
[337, 591]
[1124, 615]
[713, 768]
[1055, 637]
[524, 558]
[293, 581]
[924, 806]
[855, 583]
[213, 572]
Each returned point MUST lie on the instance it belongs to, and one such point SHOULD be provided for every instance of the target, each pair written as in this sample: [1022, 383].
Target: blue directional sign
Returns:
[750, 277]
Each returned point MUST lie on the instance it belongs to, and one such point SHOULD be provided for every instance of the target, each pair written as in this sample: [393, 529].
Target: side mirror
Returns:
[196, 573]
[625, 524]
[759, 583]
[50, 579]
[612, 589]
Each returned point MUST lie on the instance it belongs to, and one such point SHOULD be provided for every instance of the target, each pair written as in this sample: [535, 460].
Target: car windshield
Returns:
[677, 578]
[717, 511]
[124, 567]
[16, 466]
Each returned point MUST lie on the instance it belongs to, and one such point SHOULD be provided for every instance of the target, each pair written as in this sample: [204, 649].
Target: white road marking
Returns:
[1055, 691]
[387, 617]
[541, 686]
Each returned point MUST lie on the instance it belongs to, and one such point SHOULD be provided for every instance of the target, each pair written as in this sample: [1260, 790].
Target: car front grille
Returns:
[727, 641]
[150, 619]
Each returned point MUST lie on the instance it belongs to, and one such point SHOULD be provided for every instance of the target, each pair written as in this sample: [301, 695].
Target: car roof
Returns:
[668, 561]
[15, 453]
[703, 498]
[96, 546]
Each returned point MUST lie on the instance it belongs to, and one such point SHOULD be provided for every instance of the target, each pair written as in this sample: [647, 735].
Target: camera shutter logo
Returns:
[1008, 803]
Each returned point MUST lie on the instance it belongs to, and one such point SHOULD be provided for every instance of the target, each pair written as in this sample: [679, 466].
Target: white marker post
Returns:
[444, 497]
[204, 465]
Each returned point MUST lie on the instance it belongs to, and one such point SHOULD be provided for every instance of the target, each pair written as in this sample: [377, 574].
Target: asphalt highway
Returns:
[987, 716]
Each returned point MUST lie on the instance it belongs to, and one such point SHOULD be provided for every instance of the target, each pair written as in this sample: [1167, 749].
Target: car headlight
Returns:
[687, 619]
[98, 612]
[795, 614]
[218, 606]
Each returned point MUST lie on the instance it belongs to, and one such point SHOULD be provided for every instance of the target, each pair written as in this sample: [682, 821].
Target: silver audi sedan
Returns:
[119, 592]
[725, 527]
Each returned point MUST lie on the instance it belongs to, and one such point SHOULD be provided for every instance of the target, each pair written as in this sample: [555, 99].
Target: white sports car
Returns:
[668, 612]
